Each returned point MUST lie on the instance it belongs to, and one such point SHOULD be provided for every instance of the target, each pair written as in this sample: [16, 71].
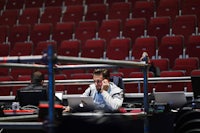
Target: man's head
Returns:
[99, 75]
[37, 77]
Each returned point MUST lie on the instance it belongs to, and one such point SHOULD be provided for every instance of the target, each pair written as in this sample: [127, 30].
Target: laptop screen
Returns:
[174, 99]
[196, 86]
[81, 104]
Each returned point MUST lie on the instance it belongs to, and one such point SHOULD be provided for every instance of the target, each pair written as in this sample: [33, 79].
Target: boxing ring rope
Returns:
[50, 60]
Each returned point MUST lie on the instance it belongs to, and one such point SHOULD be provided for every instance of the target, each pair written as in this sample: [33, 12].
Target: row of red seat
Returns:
[129, 87]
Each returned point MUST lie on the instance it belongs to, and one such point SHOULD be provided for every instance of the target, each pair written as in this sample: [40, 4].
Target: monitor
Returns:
[31, 97]
[196, 86]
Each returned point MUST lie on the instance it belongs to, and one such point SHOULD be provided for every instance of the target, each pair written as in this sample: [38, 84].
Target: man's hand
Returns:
[105, 85]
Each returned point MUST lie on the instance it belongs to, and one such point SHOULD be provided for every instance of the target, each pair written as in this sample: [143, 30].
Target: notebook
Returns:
[174, 99]
[196, 86]
[81, 104]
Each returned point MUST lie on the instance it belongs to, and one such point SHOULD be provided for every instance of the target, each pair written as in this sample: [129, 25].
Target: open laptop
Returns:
[81, 104]
[196, 86]
[174, 99]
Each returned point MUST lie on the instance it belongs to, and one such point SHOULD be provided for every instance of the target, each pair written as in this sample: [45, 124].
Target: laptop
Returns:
[174, 99]
[81, 104]
[196, 86]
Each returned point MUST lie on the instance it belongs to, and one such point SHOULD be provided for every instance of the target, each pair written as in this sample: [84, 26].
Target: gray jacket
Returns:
[113, 98]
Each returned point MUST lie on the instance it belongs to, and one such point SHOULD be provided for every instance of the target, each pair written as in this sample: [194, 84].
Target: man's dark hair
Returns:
[37, 77]
[104, 72]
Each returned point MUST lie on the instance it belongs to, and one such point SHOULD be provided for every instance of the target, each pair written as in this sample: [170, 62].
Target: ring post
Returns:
[50, 90]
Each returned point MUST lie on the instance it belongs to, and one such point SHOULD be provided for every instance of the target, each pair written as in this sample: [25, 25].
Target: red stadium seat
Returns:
[42, 47]
[144, 44]
[94, 48]
[162, 64]
[80, 88]
[34, 3]
[86, 30]
[120, 10]
[41, 32]
[88, 2]
[22, 49]
[73, 13]
[169, 45]
[53, 3]
[170, 86]
[186, 64]
[15, 4]
[159, 27]
[51, 14]
[29, 16]
[138, 87]
[4, 32]
[184, 25]
[193, 46]
[190, 7]
[63, 31]
[134, 28]
[96, 12]
[73, 2]
[110, 29]
[143, 9]
[6, 90]
[19, 33]
[4, 49]
[9, 17]
[119, 49]
[169, 8]
[70, 48]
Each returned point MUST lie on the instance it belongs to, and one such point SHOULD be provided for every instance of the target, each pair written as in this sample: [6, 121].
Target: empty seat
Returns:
[111, 2]
[162, 64]
[191, 7]
[93, 48]
[42, 47]
[159, 27]
[73, 2]
[4, 49]
[73, 13]
[186, 64]
[184, 25]
[169, 45]
[6, 90]
[15, 72]
[40, 32]
[4, 32]
[193, 46]
[63, 31]
[88, 2]
[110, 29]
[134, 28]
[21, 49]
[9, 17]
[170, 86]
[59, 87]
[96, 12]
[19, 33]
[15, 4]
[70, 48]
[34, 3]
[78, 88]
[4, 71]
[120, 10]
[144, 44]
[119, 49]
[52, 15]
[86, 30]
[29, 16]
[53, 3]
[168, 8]
[138, 87]
[143, 9]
